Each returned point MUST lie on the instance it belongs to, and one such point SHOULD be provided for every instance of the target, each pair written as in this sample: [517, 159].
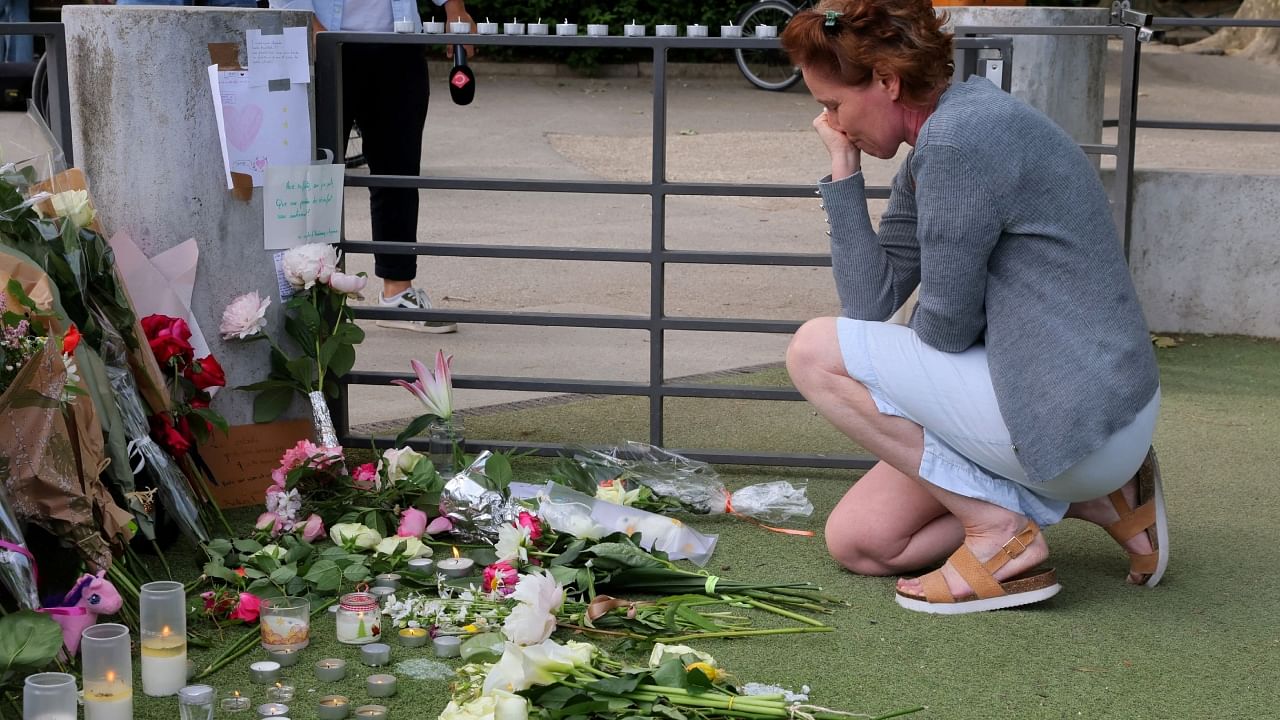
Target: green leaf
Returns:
[564, 575]
[218, 548]
[350, 333]
[414, 428]
[355, 573]
[343, 359]
[626, 554]
[296, 586]
[298, 552]
[246, 545]
[213, 418]
[302, 369]
[498, 469]
[324, 575]
[28, 640]
[616, 686]
[254, 573]
[570, 553]
[283, 575]
[671, 673]
[220, 571]
[271, 404]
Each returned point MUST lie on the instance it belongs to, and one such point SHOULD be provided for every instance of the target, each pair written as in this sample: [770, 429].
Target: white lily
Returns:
[480, 708]
[434, 389]
[515, 672]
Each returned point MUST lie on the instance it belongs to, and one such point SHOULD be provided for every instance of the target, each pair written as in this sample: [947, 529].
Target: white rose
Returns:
[479, 709]
[354, 536]
[413, 547]
[73, 205]
[399, 462]
[306, 265]
[615, 492]
[509, 706]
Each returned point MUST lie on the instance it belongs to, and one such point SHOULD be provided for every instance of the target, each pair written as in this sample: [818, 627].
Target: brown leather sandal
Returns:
[1149, 517]
[988, 593]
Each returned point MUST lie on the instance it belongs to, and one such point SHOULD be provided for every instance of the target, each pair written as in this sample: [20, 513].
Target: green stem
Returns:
[730, 707]
[208, 493]
[745, 633]
[164, 562]
[136, 563]
[785, 613]
[886, 716]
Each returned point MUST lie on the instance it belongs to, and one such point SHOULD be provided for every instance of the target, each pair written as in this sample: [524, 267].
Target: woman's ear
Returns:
[890, 82]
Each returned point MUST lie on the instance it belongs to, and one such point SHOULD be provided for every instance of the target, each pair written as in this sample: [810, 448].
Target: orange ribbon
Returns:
[728, 508]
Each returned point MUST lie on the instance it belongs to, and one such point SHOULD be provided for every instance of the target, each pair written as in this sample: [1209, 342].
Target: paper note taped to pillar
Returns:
[260, 125]
[302, 204]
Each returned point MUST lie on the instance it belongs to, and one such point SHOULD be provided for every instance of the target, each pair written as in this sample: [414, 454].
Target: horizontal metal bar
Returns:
[711, 257]
[500, 382]
[556, 41]
[500, 317]
[593, 187]
[1195, 125]
[729, 325]
[1214, 22]
[1099, 149]
[524, 252]
[1032, 30]
[731, 392]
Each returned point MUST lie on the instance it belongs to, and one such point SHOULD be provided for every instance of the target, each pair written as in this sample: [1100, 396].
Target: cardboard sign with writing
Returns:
[242, 460]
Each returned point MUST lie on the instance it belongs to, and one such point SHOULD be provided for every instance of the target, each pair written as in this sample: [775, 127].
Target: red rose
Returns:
[206, 373]
[71, 340]
[200, 402]
[168, 336]
[171, 438]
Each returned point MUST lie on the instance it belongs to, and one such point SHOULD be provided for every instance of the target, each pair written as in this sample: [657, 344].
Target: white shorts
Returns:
[967, 448]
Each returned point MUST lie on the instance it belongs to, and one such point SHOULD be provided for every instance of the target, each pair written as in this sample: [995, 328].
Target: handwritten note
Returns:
[302, 204]
[272, 57]
[242, 460]
[259, 127]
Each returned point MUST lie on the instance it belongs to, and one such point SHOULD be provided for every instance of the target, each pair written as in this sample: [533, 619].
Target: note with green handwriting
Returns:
[302, 204]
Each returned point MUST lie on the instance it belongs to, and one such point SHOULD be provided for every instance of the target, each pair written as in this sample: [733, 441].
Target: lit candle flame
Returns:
[456, 554]
[111, 676]
[165, 631]
[235, 693]
[278, 684]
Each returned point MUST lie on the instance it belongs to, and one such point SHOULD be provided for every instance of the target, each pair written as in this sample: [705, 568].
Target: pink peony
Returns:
[245, 317]
[347, 284]
[305, 265]
[365, 477]
[313, 528]
[500, 577]
[531, 523]
[413, 522]
[247, 609]
[439, 525]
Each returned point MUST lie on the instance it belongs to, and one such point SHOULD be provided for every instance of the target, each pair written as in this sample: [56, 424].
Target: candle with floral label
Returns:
[359, 619]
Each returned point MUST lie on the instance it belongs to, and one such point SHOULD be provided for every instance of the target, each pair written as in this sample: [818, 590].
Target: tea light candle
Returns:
[695, 30]
[265, 672]
[414, 637]
[371, 712]
[511, 28]
[426, 565]
[333, 707]
[597, 30]
[286, 658]
[447, 646]
[404, 25]
[566, 28]
[766, 31]
[633, 30]
[432, 27]
[388, 580]
[731, 31]
[273, 709]
[280, 693]
[665, 30]
[462, 27]
[538, 28]
[381, 594]
[331, 670]
[456, 566]
[234, 703]
[381, 686]
[486, 28]
[375, 654]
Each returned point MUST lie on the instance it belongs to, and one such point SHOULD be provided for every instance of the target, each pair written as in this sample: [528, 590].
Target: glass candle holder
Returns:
[163, 627]
[49, 696]
[285, 623]
[359, 619]
[234, 703]
[107, 670]
[195, 702]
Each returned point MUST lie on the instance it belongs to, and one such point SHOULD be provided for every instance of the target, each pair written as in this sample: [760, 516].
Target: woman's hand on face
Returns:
[845, 158]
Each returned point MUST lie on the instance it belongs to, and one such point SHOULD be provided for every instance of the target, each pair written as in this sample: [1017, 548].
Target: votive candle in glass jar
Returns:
[107, 671]
[163, 627]
[285, 623]
[359, 619]
[195, 702]
[49, 696]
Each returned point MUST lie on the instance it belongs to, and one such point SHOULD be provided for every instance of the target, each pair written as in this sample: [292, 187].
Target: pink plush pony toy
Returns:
[93, 595]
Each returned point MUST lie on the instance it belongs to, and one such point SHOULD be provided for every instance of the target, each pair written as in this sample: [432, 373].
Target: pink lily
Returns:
[434, 389]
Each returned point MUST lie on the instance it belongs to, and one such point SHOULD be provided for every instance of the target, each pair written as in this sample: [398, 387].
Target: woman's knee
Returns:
[811, 348]
[858, 551]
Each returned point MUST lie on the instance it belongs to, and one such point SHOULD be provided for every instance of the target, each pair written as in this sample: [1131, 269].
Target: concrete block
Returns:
[1204, 251]
[1060, 75]
[144, 129]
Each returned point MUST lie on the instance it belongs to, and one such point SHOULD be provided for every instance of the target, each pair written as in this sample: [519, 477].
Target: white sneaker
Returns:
[414, 298]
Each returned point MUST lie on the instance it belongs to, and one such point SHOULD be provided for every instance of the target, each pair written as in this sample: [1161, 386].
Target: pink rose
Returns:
[500, 577]
[439, 525]
[247, 609]
[268, 521]
[530, 522]
[365, 477]
[413, 522]
[313, 529]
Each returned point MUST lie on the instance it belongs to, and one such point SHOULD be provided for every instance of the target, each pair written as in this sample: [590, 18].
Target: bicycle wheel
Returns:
[355, 148]
[766, 69]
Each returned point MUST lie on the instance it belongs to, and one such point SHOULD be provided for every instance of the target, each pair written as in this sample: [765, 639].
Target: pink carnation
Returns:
[297, 455]
[365, 477]
[530, 522]
[413, 522]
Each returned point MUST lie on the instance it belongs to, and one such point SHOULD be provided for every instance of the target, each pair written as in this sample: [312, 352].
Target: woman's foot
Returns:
[985, 543]
[1103, 513]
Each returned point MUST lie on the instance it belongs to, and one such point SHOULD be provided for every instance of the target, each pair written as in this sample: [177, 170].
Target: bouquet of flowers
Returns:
[191, 382]
[319, 325]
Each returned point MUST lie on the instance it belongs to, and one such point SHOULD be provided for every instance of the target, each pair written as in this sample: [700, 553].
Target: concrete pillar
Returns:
[1060, 75]
[145, 134]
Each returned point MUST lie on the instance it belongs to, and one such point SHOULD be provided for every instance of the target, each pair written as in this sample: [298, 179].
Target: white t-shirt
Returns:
[368, 16]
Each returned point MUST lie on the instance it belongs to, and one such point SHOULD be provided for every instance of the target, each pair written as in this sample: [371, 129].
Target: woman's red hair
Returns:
[902, 37]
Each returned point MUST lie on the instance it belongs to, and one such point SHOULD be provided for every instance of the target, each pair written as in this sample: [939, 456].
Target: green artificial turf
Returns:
[1202, 645]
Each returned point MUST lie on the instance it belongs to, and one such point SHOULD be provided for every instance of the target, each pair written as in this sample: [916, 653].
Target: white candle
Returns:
[164, 664]
[566, 28]
[487, 28]
[460, 26]
[432, 27]
[766, 31]
[633, 30]
[597, 30]
[455, 567]
[358, 627]
[404, 25]
[731, 31]
[665, 30]
[511, 28]
[110, 700]
[696, 30]
[538, 28]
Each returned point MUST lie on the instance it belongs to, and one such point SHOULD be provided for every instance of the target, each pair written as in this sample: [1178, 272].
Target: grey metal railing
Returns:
[658, 188]
[55, 59]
